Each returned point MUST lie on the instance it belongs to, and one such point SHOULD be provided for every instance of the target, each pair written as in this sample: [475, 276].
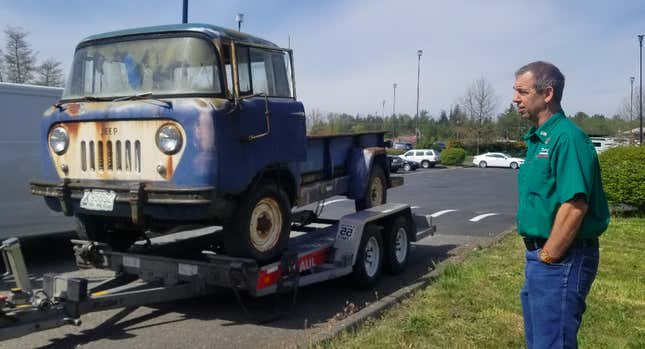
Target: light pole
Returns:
[394, 112]
[416, 132]
[631, 98]
[184, 16]
[640, 104]
[239, 19]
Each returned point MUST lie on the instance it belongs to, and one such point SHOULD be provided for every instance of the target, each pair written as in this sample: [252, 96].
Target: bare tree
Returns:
[2, 74]
[480, 103]
[50, 73]
[20, 59]
[628, 110]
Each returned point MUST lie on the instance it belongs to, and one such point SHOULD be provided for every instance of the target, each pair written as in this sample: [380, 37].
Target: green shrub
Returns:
[453, 156]
[623, 176]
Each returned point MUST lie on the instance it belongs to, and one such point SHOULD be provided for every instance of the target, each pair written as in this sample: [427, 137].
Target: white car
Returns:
[425, 157]
[497, 160]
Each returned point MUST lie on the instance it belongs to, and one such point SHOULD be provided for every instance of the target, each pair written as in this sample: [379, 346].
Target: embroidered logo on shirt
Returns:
[544, 153]
[543, 134]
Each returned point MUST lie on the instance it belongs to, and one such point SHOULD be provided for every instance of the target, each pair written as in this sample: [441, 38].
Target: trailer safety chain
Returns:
[288, 282]
[237, 279]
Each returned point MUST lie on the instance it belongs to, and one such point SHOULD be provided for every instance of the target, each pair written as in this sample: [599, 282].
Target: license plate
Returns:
[98, 200]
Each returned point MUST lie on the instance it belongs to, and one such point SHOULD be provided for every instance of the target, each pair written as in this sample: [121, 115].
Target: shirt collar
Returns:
[543, 131]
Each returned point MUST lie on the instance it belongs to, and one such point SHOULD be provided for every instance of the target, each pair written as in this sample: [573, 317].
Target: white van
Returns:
[425, 157]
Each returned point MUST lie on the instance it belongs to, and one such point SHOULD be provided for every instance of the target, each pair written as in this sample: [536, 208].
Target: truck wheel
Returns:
[425, 164]
[93, 228]
[376, 192]
[397, 245]
[260, 227]
[369, 258]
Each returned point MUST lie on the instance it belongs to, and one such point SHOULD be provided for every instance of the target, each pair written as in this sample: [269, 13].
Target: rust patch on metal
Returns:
[73, 109]
[169, 167]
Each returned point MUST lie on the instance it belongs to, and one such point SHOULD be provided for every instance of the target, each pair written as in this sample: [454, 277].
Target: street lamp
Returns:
[640, 104]
[631, 97]
[239, 19]
[416, 133]
[184, 16]
[394, 100]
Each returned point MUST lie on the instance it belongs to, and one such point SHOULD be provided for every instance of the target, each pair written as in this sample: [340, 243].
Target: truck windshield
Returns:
[160, 66]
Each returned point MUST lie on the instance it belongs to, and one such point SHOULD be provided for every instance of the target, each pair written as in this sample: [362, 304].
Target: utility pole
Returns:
[416, 131]
[631, 97]
[383, 110]
[394, 112]
[184, 17]
[640, 104]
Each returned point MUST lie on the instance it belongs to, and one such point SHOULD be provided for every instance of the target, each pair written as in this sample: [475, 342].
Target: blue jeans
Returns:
[553, 297]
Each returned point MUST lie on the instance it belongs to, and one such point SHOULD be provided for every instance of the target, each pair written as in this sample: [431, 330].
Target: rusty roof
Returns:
[209, 30]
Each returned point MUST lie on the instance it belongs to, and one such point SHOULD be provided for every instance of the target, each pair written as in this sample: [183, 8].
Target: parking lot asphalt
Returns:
[469, 206]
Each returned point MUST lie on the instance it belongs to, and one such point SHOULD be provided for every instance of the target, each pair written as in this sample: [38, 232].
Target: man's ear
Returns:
[548, 94]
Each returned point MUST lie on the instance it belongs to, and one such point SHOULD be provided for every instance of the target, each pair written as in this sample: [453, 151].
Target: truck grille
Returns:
[111, 156]
[116, 150]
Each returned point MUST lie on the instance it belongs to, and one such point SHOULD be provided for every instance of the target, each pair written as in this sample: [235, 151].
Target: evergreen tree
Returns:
[20, 60]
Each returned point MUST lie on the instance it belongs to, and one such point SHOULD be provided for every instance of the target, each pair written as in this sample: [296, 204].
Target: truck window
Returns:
[162, 66]
[269, 72]
[226, 58]
[243, 70]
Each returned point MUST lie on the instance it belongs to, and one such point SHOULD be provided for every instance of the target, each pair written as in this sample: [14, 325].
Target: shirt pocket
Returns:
[539, 177]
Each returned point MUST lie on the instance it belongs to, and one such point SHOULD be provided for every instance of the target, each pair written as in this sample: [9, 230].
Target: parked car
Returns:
[425, 157]
[601, 143]
[497, 160]
[397, 163]
[401, 145]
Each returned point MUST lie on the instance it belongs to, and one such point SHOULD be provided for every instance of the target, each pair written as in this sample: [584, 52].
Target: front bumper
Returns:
[136, 195]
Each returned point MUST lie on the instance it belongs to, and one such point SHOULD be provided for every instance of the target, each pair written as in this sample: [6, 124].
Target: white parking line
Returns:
[482, 216]
[334, 201]
[439, 213]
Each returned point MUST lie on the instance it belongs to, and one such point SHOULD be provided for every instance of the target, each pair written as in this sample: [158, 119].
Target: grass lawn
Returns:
[476, 304]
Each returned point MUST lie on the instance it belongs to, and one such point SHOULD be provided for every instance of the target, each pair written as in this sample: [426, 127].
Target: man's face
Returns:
[529, 101]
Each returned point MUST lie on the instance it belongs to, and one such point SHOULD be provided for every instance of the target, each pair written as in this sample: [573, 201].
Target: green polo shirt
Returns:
[560, 163]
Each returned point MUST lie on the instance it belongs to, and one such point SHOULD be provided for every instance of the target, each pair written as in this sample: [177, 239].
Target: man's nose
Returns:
[516, 97]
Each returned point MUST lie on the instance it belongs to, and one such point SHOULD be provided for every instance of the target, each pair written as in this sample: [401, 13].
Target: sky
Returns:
[348, 54]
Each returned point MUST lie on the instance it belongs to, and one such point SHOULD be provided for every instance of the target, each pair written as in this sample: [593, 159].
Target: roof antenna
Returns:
[184, 18]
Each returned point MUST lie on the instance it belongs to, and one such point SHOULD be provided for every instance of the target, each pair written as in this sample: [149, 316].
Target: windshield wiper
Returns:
[142, 96]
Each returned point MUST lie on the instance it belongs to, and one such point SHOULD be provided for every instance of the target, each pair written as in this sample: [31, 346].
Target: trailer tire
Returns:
[92, 228]
[397, 245]
[369, 258]
[259, 228]
[376, 191]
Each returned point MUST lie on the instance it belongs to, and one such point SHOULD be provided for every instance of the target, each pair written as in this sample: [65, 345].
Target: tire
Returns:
[92, 228]
[483, 164]
[425, 164]
[514, 165]
[397, 245]
[407, 167]
[369, 258]
[259, 227]
[376, 191]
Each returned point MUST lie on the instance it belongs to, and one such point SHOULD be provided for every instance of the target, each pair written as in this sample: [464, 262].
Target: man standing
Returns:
[562, 211]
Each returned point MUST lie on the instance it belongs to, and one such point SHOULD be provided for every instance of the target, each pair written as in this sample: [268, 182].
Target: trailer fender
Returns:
[359, 167]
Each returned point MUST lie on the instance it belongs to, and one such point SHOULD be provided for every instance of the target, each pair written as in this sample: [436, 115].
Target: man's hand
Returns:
[565, 227]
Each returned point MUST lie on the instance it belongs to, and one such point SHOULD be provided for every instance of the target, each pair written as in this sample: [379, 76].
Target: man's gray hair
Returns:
[546, 75]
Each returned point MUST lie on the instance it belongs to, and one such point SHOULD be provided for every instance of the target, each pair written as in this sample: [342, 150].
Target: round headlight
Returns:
[169, 139]
[58, 140]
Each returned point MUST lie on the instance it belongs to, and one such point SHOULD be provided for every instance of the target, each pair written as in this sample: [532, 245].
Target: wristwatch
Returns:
[545, 257]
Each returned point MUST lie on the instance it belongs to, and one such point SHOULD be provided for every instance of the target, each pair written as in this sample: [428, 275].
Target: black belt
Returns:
[536, 243]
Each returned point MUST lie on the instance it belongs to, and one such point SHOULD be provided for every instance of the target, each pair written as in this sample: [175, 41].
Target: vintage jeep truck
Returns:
[165, 127]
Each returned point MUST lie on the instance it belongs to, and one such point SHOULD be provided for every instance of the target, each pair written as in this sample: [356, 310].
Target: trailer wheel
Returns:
[259, 228]
[397, 245]
[92, 228]
[369, 259]
[376, 192]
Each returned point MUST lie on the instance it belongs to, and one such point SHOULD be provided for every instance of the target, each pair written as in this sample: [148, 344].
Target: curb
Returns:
[375, 309]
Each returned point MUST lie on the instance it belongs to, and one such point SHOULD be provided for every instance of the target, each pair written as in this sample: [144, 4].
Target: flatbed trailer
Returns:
[358, 245]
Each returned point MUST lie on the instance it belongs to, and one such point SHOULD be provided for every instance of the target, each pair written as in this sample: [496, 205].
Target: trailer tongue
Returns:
[358, 245]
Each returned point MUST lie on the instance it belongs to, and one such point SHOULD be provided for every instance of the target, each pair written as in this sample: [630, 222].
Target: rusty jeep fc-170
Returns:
[161, 128]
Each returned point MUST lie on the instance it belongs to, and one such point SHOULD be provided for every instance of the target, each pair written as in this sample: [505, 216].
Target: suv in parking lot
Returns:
[426, 157]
